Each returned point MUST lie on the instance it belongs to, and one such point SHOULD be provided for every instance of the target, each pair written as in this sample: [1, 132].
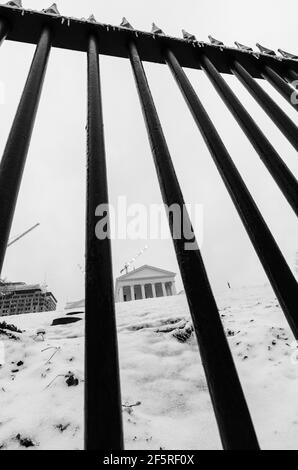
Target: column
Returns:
[121, 294]
[164, 292]
[153, 290]
[143, 291]
[132, 292]
[174, 290]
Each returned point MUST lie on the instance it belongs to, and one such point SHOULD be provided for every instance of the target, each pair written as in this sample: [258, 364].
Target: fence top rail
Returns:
[72, 33]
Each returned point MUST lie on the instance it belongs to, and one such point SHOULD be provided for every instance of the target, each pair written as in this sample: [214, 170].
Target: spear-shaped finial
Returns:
[242, 47]
[156, 30]
[15, 4]
[215, 42]
[92, 19]
[125, 24]
[188, 36]
[288, 55]
[264, 50]
[52, 10]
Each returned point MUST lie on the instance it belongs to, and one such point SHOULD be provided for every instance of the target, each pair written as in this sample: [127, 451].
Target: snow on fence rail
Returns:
[103, 420]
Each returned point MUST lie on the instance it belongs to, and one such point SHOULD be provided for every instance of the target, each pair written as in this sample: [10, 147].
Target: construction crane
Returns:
[3, 282]
[16, 239]
[130, 262]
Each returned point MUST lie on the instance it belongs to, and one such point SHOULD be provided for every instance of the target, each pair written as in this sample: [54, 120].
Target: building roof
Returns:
[11, 287]
[136, 273]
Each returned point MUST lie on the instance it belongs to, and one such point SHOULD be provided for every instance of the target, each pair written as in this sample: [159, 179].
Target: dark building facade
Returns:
[18, 298]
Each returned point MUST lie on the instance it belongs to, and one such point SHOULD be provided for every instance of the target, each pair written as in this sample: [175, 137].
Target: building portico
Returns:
[146, 282]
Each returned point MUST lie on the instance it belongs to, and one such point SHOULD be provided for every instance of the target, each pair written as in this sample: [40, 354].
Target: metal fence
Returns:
[46, 29]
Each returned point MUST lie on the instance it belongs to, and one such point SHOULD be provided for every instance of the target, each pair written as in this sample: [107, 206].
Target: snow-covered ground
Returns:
[161, 375]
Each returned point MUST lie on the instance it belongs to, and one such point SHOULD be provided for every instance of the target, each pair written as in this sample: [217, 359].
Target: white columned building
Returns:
[146, 282]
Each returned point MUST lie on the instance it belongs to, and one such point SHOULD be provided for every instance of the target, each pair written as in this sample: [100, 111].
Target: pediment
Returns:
[146, 271]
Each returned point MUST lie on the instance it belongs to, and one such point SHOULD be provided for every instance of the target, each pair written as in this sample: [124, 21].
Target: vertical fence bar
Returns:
[279, 84]
[233, 418]
[278, 272]
[273, 162]
[3, 30]
[278, 116]
[103, 409]
[17, 146]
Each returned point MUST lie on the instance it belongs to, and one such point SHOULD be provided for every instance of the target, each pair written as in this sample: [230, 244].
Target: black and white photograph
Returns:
[148, 228]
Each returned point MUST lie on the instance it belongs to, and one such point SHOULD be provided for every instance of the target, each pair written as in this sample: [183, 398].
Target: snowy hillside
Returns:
[41, 382]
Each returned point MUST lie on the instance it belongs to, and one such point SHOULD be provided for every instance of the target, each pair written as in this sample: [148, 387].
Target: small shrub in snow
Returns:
[232, 333]
[8, 335]
[25, 441]
[62, 427]
[6, 329]
[183, 334]
[6, 326]
[71, 380]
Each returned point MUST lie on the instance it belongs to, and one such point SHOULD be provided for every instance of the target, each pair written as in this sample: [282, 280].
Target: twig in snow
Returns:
[59, 375]
[57, 348]
[50, 347]
[138, 403]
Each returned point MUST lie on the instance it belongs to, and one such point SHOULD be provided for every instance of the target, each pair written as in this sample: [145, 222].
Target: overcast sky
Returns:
[53, 187]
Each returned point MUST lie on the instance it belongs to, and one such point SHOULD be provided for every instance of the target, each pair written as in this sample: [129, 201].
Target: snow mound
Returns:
[165, 400]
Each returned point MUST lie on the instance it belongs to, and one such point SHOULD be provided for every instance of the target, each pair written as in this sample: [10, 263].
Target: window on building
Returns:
[126, 294]
[137, 292]
[148, 291]
[169, 290]
[158, 289]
